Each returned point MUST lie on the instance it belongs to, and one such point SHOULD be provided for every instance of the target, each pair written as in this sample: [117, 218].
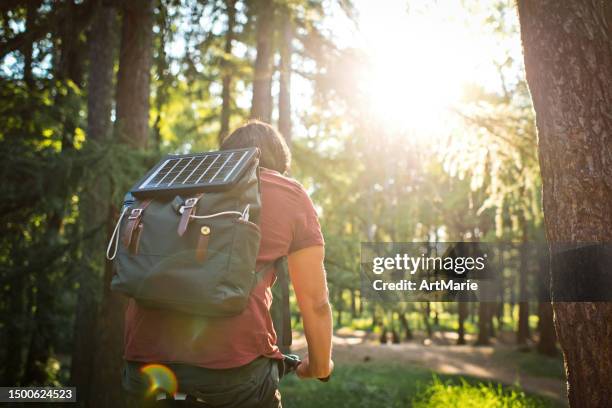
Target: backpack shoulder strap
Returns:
[282, 274]
[281, 309]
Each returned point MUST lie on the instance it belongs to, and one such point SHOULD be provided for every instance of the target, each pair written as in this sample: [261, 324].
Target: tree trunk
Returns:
[134, 76]
[522, 333]
[500, 305]
[95, 208]
[227, 72]
[131, 129]
[284, 95]
[15, 332]
[404, 322]
[568, 61]
[353, 304]
[261, 107]
[483, 324]
[426, 316]
[31, 13]
[462, 311]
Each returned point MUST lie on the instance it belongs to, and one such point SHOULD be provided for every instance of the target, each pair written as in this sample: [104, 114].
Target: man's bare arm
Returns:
[310, 285]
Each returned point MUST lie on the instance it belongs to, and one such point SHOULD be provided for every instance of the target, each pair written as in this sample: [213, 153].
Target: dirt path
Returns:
[443, 358]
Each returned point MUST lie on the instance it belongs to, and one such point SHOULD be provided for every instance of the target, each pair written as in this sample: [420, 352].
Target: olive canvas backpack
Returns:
[188, 237]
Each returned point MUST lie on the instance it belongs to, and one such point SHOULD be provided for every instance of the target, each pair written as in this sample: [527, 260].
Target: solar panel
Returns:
[196, 172]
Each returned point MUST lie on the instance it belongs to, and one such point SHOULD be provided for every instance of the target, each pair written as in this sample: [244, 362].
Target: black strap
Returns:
[280, 310]
[282, 274]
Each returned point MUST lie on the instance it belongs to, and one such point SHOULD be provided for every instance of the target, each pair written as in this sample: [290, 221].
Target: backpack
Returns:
[192, 247]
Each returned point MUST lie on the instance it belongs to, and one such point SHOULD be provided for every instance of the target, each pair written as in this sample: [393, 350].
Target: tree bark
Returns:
[568, 61]
[132, 129]
[284, 95]
[226, 64]
[95, 207]
[134, 76]
[261, 107]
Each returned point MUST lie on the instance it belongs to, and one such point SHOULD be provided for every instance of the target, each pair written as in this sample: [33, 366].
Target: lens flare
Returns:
[161, 378]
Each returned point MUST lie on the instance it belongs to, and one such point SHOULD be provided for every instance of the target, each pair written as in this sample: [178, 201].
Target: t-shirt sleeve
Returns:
[306, 227]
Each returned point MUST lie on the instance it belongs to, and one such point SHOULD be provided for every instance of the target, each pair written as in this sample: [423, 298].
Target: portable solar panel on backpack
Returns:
[188, 235]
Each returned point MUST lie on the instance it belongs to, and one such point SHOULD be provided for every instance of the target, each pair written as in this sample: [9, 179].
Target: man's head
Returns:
[275, 154]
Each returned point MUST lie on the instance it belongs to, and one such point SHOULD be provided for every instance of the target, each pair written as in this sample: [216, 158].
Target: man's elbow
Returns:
[319, 308]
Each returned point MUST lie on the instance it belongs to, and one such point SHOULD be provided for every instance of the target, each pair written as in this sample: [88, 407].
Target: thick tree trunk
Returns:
[226, 64]
[95, 206]
[131, 129]
[261, 107]
[568, 61]
[284, 95]
[134, 76]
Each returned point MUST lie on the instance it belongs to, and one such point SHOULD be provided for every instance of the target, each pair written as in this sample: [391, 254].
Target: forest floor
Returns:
[501, 362]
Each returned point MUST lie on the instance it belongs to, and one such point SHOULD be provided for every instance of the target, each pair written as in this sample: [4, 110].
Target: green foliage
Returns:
[446, 394]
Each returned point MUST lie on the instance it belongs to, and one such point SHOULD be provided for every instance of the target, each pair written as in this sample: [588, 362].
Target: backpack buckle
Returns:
[189, 204]
[136, 213]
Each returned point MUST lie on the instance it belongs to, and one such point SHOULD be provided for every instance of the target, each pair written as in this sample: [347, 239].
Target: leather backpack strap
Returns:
[188, 209]
[132, 226]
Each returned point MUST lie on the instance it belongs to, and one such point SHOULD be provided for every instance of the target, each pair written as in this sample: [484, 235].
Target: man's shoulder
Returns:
[271, 178]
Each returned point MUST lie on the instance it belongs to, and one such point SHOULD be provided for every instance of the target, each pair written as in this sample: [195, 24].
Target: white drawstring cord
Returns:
[243, 215]
[217, 214]
[115, 237]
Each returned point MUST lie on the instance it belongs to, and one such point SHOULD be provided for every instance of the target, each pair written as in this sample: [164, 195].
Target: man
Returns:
[233, 362]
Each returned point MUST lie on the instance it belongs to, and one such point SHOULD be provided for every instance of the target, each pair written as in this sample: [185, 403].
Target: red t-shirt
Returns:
[288, 223]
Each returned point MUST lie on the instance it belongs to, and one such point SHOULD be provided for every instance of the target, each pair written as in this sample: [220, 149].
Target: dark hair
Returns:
[275, 154]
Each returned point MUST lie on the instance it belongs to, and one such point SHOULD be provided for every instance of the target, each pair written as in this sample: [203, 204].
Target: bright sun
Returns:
[421, 62]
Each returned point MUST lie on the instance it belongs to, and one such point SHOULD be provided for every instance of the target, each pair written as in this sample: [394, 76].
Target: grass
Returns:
[532, 363]
[393, 385]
